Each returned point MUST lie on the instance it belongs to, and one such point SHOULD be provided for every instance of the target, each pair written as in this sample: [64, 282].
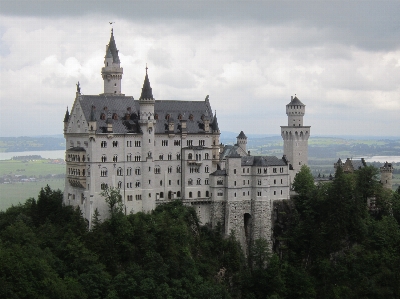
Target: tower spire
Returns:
[147, 91]
[112, 71]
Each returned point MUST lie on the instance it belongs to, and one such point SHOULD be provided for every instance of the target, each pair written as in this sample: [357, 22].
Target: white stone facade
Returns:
[158, 151]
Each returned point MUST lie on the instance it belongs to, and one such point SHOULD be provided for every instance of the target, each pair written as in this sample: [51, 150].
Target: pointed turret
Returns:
[112, 71]
[214, 124]
[112, 47]
[147, 91]
[146, 100]
[66, 119]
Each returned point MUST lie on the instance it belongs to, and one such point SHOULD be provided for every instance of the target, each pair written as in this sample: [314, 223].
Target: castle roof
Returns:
[112, 49]
[219, 172]
[214, 124]
[262, 161]
[147, 91]
[120, 106]
[242, 135]
[66, 117]
[76, 149]
[228, 151]
[296, 101]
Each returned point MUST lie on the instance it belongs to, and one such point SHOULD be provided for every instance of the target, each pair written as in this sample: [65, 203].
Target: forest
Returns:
[333, 240]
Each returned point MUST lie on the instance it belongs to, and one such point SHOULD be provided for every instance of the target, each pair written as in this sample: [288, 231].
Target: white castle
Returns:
[156, 151]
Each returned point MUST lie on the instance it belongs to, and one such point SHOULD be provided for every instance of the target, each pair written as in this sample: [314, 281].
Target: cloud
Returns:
[249, 65]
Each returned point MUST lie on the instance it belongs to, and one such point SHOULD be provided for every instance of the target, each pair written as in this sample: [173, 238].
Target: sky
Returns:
[340, 58]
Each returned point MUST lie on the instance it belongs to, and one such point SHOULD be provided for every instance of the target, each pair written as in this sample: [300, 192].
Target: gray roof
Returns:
[262, 161]
[296, 101]
[241, 135]
[219, 172]
[147, 91]
[76, 149]
[112, 47]
[66, 116]
[228, 151]
[118, 105]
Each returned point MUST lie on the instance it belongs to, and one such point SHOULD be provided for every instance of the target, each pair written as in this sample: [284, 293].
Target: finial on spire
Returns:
[146, 68]
[78, 89]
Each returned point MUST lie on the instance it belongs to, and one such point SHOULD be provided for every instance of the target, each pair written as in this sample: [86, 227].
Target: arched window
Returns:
[198, 193]
[119, 185]
[190, 194]
[207, 193]
[190, 156]
[119, 171]
[178, 194]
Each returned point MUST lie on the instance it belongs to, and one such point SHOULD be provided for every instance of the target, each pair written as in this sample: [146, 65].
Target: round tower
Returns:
[387, 175]
[112, 71]
[295, 136]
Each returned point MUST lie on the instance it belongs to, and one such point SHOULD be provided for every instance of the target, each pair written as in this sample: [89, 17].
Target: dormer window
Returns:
[103, 116]
[156, 116]
[115, 116]
[180, 116]
[167, 117]
[191, 117]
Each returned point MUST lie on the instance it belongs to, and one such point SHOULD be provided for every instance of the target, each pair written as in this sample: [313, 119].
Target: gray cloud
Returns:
[370, 24]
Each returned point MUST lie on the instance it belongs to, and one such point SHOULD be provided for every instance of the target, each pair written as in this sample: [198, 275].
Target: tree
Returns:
[114, 200]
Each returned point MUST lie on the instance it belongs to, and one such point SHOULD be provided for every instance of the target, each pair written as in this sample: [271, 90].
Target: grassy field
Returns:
[30, 168]
[12, 194]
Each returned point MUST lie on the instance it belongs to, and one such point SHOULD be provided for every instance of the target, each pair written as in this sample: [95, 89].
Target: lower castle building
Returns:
[156, 151]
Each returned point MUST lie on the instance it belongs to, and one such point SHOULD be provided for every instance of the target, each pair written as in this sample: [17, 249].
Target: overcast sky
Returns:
[341, 58]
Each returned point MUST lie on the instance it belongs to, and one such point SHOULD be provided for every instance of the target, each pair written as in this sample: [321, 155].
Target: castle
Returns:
[156, 151]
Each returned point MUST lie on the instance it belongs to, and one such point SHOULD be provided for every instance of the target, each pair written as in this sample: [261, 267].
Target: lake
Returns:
[44, 154]
[383, 159]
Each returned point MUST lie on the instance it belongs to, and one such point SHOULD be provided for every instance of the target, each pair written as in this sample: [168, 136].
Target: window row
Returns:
[75, 158]
[199, 194]
[198, 182]
[76, 172]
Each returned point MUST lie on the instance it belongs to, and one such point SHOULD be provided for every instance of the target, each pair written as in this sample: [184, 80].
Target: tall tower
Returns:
[295, 136]
[386, 175]
[147, 126]
[112, 72]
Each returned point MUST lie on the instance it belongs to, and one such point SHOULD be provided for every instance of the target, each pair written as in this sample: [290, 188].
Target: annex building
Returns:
[156, 151]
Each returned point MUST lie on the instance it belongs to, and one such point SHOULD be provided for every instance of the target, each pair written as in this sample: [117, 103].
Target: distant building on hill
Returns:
[352, 165]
